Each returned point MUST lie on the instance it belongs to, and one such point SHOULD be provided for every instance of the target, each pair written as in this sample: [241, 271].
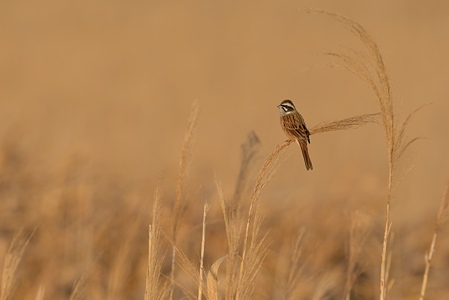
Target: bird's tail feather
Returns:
[305, 154]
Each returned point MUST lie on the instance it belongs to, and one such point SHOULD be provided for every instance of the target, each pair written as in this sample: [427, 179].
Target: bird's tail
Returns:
[305, 154]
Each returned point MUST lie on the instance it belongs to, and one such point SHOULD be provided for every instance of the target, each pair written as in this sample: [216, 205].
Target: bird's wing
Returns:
[295, 124]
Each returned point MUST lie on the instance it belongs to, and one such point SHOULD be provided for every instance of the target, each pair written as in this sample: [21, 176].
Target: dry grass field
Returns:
[141, 155]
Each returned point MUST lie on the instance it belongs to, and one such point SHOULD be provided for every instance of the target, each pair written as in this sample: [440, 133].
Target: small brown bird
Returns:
[295, 128]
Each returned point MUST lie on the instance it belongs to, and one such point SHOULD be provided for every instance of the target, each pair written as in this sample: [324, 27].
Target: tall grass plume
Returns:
[369, 66]
[153, 287]
[181, 200]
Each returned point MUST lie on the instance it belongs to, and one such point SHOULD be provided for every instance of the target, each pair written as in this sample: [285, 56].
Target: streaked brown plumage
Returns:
[295, 128]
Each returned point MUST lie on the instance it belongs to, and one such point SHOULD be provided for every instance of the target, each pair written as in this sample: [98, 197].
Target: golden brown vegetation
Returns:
[440, 221]
[128, 251]
[370, 68]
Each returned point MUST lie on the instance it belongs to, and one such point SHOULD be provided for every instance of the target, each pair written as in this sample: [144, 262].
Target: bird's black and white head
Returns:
[286, 107]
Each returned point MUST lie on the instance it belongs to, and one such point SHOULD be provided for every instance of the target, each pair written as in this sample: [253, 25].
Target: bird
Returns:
[295, 128]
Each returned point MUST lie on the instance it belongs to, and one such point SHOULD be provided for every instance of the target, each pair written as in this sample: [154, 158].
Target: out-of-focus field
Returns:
[94, 102]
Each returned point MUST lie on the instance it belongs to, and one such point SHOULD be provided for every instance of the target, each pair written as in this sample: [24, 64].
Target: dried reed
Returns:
[203, 242]
[181, 201]
[263, 177]
[442, 218]
[294, 270]
[358, 234]
[232, 212]
[369, 67]
[12, 260]
[345, 124]
[233, 225]
[191, 270]
[156, 255]
[212, 279]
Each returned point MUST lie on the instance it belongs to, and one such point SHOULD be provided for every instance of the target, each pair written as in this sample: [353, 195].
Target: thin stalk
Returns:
[383, 284]
[203, 242]
[442, 218]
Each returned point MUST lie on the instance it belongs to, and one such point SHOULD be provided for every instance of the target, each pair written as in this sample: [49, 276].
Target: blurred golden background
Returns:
[106, 87]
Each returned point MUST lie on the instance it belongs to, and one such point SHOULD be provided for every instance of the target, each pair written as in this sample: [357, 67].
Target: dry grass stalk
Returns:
[370, 68]
[181, 202]
[191, 270]
[121, 269]
[212, 279]
[155, 254]
[402, 143]
[263, 177]
[232, 212]
[249, 151]
[345, 124]
[254, 258]
[233, 226]
[266, 172]
[294, 270]
[12, 260]
[389, 282]
[359, 233]
[241, 278]
[442, 218]
[203, 242]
